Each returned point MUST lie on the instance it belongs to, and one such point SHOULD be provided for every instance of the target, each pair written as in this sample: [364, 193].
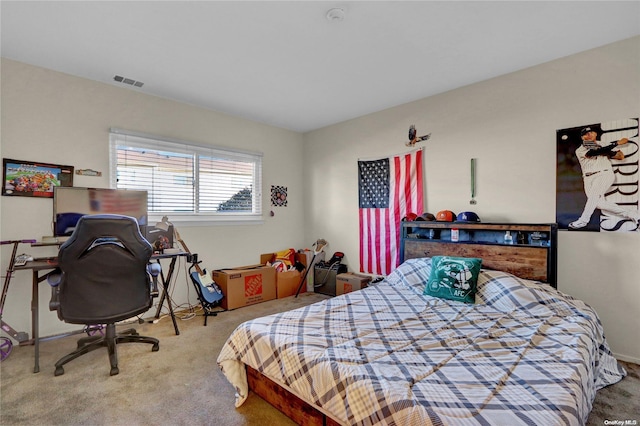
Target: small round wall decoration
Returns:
[278, 196]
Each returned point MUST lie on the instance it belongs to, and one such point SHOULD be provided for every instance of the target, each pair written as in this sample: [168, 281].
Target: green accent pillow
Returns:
[454, 278]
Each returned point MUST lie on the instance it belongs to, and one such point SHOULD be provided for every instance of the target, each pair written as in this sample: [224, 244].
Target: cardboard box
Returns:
[287, 282]
[246, 285]
[312, 259]
[348, 282]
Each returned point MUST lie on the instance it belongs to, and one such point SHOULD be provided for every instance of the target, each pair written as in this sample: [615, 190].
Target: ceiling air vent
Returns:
[128, 81]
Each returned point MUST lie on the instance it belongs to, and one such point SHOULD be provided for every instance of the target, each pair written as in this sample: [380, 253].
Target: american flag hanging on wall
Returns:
[388, 189]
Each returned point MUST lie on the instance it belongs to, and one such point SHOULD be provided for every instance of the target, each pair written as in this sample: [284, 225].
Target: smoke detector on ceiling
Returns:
[129, 81]
[335, 15]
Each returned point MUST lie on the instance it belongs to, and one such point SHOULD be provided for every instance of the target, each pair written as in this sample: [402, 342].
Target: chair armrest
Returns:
[154, 270]
[53, 279]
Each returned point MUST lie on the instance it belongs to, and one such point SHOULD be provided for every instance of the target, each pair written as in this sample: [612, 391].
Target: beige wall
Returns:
[508, 124]
[52, 117]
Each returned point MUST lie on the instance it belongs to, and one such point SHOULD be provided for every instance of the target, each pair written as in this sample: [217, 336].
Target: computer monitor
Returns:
[71, 203]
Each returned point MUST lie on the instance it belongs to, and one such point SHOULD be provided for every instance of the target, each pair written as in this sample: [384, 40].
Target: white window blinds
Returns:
[188, 181]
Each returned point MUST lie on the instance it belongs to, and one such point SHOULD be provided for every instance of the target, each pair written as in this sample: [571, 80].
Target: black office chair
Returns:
[104, 279]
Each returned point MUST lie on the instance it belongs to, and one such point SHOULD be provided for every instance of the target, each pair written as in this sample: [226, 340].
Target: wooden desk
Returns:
[41, 269]
[36, 267]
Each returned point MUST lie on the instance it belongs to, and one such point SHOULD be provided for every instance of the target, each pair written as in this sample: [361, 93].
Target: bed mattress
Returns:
[524, 353]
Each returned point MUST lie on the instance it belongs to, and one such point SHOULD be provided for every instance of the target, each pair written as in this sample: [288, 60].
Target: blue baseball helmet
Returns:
[467, 217]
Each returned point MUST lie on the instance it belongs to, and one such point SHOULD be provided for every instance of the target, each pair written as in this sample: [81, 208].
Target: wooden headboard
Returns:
[531, 255]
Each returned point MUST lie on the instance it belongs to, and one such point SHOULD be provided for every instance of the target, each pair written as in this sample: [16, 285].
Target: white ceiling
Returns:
[284, 64]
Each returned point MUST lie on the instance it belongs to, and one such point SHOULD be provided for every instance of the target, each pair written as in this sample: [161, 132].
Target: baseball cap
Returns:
[410, 217]
[587, 130]
[467, 217]
[426, 217]
[445, 216]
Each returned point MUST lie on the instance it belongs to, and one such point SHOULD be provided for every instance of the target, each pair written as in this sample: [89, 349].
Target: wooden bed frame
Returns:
[287, 403]
[531, 254]
[512, 257]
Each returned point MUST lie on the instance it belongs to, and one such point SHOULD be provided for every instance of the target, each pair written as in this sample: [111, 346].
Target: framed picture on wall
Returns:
[598, 170]
[31, 179]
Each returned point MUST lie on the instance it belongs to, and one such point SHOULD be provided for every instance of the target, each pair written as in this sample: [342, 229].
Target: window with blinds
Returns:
[186, 181]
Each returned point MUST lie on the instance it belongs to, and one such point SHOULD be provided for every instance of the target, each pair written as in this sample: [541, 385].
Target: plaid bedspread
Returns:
[523, 354]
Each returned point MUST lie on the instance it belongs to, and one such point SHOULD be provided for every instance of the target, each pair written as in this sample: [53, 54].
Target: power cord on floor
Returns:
[186, 311]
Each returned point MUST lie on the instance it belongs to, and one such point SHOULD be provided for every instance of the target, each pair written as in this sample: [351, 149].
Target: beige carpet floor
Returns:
[180, 384]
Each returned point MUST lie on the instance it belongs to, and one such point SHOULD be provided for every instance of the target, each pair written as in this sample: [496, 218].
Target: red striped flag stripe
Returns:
[380, 227]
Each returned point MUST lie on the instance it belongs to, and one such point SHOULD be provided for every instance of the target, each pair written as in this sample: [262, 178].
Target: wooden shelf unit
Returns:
[534, 245]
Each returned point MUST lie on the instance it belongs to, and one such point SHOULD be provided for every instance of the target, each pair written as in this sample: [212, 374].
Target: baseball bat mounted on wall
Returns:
[473, 181]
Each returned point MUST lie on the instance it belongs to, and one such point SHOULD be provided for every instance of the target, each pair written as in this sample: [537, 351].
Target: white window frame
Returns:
[124, 138]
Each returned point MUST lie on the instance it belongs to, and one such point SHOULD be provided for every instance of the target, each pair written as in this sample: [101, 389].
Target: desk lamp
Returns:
[164, 224]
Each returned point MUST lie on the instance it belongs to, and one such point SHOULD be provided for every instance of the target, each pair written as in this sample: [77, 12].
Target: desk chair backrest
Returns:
[104, 271]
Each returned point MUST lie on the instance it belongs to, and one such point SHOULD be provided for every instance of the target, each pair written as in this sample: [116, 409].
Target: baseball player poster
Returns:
[598, 176]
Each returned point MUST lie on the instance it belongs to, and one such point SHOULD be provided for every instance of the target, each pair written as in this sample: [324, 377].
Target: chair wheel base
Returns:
[111, 340]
